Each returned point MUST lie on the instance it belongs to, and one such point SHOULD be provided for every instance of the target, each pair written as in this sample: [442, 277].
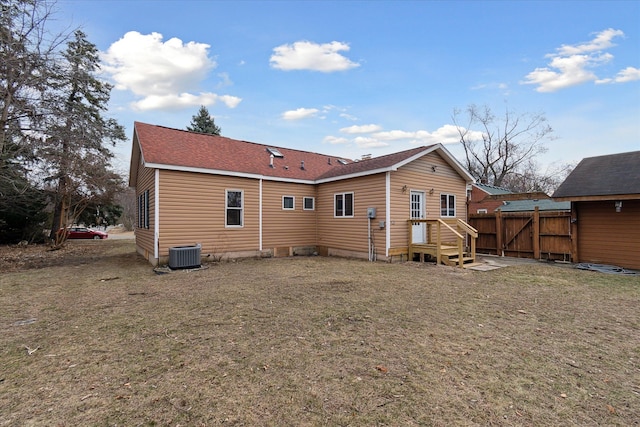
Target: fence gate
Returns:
[538, 235]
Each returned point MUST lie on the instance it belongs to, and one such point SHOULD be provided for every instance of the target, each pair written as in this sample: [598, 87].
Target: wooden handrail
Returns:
[460, 224]
[468, 228]
[450, 229]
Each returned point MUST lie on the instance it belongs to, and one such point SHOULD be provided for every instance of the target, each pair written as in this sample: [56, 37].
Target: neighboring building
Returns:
[529, 205]
[604, 193]
[480, 200]
[242, 199]
[486, 199]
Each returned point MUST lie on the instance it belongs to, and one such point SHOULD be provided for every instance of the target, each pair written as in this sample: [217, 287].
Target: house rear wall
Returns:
[193, 211]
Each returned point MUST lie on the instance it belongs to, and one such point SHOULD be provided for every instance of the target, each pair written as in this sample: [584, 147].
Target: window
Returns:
[275, 152]
[309, 203]
[288, 203]
[482, 211]
[343, 205]
[448, 205]
[234, 205]
[143, 210]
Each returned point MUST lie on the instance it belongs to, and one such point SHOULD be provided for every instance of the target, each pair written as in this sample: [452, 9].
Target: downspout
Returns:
[156, 217]
[387, 203]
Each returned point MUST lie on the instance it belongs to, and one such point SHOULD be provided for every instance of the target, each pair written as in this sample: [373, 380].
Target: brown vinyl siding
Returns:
[609, 237]
[192, 210]
[288, 228]
[144, 236]
[350, 234]
[419, 176]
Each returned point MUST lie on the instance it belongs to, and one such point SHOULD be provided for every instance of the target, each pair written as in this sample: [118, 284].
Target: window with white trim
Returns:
[288, 203]
[143, 210]
[343, 205]
[482, 211]
[234, 208]
[309, 203]
[447, 205]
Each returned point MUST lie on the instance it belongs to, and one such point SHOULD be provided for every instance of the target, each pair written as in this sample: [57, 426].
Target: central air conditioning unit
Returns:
[184, 257]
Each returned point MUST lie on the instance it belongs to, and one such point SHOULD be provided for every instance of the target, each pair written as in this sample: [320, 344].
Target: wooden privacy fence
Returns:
[537, 235]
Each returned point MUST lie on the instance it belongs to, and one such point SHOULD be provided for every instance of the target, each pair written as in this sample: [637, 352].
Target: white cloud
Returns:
[300, 113]
[305, 55]
[183, 100]
[601, 42]
[361, 129]
[572, 65]
[368, 142]
[447, 134]
[161, 72]
[629, 74]
[335, 140]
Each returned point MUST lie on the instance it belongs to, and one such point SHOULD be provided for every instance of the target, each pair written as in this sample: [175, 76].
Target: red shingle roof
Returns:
[167, 148]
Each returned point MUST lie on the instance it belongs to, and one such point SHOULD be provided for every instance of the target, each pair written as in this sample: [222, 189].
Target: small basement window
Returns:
[309, 203]
[288, 203]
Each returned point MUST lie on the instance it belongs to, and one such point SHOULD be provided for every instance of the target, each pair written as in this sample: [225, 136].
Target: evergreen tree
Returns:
[75, 155]
[203, 123]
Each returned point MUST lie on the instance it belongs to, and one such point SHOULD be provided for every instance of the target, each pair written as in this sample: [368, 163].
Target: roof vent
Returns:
[271, 160]
[302, 165]
[328, 160]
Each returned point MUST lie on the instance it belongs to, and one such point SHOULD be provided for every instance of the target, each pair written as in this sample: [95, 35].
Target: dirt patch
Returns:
[94, 337]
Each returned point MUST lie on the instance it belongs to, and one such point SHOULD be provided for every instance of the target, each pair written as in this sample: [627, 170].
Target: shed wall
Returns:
[609, 237]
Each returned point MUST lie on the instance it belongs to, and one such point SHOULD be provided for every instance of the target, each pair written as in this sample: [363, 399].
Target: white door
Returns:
[419, 234]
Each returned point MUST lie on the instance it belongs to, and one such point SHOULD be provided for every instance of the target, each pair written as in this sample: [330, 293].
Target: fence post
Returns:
[536, 233]
[499, 248]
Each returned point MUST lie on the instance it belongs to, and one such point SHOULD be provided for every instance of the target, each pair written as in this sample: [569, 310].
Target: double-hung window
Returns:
[343, 205]
[288, 203]
[447, 205]
[234, 208]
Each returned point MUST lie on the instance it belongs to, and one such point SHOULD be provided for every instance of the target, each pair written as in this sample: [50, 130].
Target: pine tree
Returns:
[203, 123]
[76, 157]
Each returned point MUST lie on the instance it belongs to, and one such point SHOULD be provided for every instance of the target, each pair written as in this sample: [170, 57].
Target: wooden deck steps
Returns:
[448, 254]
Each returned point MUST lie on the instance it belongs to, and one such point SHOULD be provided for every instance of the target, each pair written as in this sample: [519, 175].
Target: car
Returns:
[84, 233]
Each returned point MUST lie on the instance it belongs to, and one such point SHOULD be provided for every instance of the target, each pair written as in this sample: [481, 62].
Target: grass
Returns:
[314, 341]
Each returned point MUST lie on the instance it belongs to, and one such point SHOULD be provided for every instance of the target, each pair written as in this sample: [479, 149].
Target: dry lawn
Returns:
[91, 335]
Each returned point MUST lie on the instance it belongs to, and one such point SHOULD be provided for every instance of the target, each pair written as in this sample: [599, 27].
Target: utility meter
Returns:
[371, 213]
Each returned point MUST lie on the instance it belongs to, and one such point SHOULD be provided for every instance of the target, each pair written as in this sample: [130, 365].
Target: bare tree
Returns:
[27, 49]
[532, 178]
[504, 147]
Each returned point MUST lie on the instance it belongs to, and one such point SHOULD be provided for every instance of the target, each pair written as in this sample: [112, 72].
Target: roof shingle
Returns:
[164, 147]
[614, 174]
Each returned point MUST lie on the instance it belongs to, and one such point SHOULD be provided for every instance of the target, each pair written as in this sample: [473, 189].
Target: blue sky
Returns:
[350, 78]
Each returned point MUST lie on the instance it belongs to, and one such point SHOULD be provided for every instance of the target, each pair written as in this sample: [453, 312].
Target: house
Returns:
[243, 199]
[480, 200]
[604, 192]
[529, 205]
[485, 199]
